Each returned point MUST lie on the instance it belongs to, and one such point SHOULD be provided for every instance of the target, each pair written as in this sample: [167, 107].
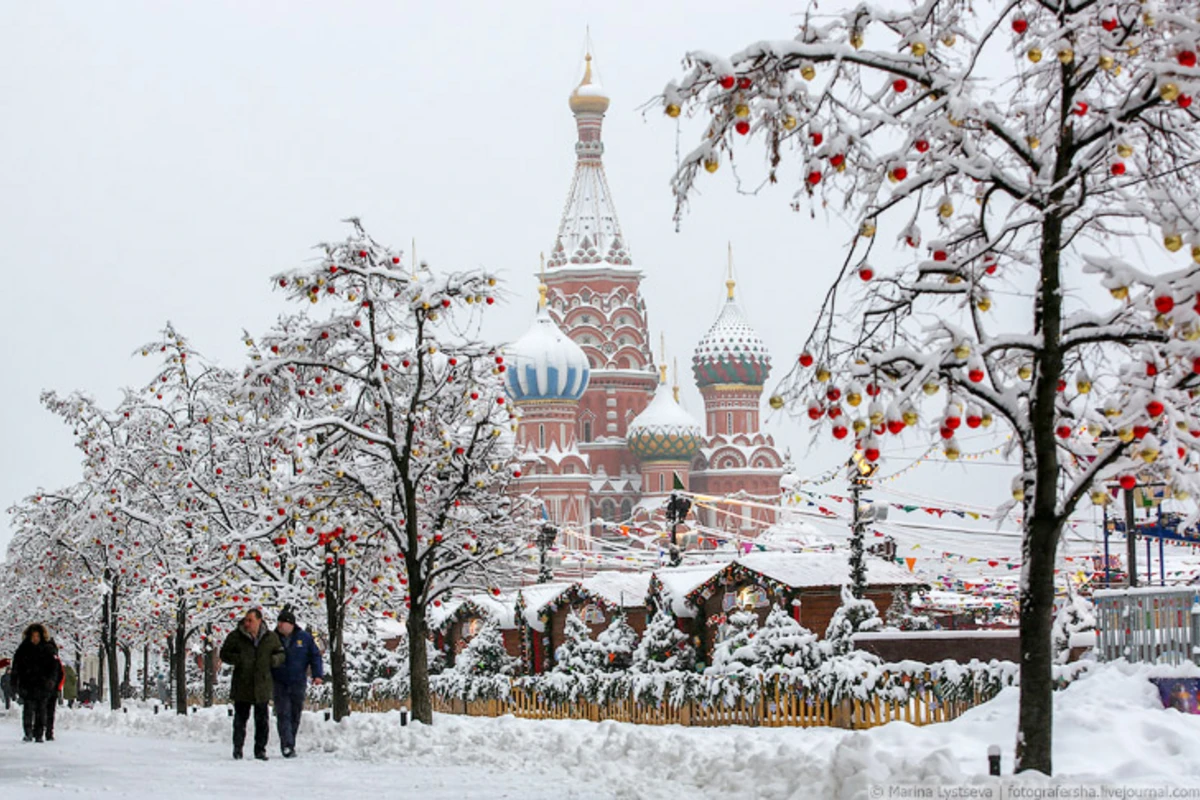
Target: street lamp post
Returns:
[545, 540]
[858, 470]
[677, 509]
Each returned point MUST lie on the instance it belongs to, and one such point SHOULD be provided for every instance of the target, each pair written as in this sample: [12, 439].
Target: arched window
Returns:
[729, 422]
[662, 482]
[608, 511]
[587, 430]
[541, 436]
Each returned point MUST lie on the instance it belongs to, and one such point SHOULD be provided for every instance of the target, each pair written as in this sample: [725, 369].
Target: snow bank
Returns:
[1110, 728]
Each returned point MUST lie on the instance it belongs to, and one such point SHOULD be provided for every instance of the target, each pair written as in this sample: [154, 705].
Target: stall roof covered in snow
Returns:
[500, 608]
[801, 570]
[622, 589]
[535, 597]
[677, 583]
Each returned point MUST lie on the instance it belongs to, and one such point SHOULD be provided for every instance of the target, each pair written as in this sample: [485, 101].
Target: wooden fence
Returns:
[778, 705]
[1151, 624]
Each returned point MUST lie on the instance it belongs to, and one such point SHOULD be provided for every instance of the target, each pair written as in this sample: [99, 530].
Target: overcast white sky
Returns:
[159, 160]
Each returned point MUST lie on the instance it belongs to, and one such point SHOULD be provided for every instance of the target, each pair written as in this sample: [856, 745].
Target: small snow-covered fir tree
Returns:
[485, 653]
[578, 654]
[853, 616]
[1077, 615]
[901, 615]
[663, 647]
[737, 653]
[784, 642]
[616, 644]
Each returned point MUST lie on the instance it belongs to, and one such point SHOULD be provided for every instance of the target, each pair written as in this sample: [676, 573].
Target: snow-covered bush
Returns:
[483, 670]
[578, 654]
[1077, 616]
[616, 644]
[784, 644]
[663, 648]
[853, 616]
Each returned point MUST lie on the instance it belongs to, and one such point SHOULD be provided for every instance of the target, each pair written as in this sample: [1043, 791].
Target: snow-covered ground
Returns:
[1110, 729]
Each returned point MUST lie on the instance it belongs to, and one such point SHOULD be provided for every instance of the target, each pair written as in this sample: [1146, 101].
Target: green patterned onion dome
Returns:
[731, 351]
[664, 431]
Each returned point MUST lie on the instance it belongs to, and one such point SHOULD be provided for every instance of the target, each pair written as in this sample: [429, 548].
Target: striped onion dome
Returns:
[545, 364]
[731, 352]
[664, 431]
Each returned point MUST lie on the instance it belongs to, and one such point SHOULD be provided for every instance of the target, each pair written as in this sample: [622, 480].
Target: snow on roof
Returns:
[665, 415]
[536, 596]
[800, 570]
[388, 628]
[622, 589]
[500, 608]
[679, 582]
[792, 535]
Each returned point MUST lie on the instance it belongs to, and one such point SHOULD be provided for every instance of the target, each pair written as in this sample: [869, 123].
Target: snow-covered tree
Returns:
[395, 418]
[485, 653]
[784, 642]
[900, 614]
[578, 654]
[616, 644]
[737, 652]
[1076, 616]
[852, 616]
[663, 648]
[1028, 153]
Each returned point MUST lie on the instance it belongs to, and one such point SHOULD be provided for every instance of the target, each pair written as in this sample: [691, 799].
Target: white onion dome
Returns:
[731, 352]
[664, 431]
[589, 95]
[545, 364]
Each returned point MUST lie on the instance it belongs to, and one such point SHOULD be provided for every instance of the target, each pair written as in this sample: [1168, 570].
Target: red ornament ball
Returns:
[1020, 25]
[872, 453]
[840, 431]
[814, 177]
[900, 85]
[744, 83]
[1164, 303]
[1109, 25]
[1118, 168]
[742, 127]
[726, 81]
[922, 145]
[1186, 58]
[866, 273]
[1128, 482]
[1063, 431]
[817, 138]
[806, 359]
[1154, 408]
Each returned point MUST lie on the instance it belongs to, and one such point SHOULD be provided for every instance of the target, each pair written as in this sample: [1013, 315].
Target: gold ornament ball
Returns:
[854, 398]
[808, 72]
[856, 39]
[859, 425]
[1196, 253]
[711, 164]
[867, 229]
[946, 210]
[1124, 150]
[962, 351]
[1034, 142]
[949, 39]
[919, 49]
[1169, 92]
[1107, 62]
[1119, 292]
[823, 375]
[930, 389]
[1173, 241]
[1034, 55]
[986, 420]
[741, 111]
[1125, 435]
[1066, 55]
[789, 122]
[776, 401]
[1025, 372]
[1018, 494]
[673, 110]
[910, 417]
[984, 304]
[951, 452]
[1149, 454]
[1083, 386]
[1099, 497]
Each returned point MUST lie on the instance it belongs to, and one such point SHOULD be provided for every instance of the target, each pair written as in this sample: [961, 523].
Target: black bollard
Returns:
[124, 709]
[994, 759]
[194, 709]
[155, 708]
[327, 715]
[229, 712]
[403, 717]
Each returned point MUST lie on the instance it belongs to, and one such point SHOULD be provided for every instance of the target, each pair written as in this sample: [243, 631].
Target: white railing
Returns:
[1154, 624]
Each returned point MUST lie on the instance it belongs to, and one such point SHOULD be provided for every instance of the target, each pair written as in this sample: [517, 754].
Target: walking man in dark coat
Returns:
[35, 678]
[57, 676]
[252, 650]
[291, 680]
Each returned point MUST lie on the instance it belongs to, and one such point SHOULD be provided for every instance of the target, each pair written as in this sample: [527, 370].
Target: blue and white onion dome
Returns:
[664, 431]
[545, 364]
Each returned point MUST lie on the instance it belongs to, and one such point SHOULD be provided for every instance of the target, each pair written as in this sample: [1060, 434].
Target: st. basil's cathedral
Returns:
[602, 435]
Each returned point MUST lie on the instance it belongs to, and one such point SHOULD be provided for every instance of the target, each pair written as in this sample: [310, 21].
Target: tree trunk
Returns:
[418, 666]
[335, 617]
[180, 664]
[145, 672]
[210, 665]
[101, 660]
[170, 664]
[1035, 718]
[109, 643]
[127, 679]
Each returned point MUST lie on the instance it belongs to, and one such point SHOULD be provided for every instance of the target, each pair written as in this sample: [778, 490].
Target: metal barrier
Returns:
[1152, 625]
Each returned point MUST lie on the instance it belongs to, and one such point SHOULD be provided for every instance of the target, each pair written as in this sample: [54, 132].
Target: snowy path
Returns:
[1110, 729]
[101, 763]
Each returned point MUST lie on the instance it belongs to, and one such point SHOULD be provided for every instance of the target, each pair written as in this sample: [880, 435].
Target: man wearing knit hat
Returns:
[291, 679]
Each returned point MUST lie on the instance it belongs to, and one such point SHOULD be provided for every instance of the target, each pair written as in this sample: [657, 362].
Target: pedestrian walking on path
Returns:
[252, 649]
[291, 679]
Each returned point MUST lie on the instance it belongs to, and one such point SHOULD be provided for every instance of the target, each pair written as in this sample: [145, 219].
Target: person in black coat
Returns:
[35, 678]
[52, 699]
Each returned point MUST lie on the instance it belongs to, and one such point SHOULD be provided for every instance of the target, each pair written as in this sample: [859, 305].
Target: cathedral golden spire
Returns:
[730, 282]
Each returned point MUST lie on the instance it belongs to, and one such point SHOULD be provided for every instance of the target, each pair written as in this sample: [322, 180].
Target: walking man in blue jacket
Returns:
[291, 679]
